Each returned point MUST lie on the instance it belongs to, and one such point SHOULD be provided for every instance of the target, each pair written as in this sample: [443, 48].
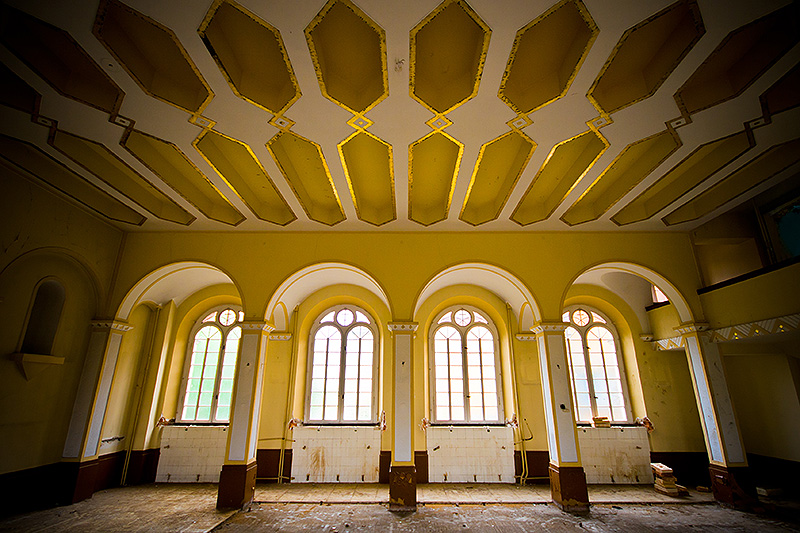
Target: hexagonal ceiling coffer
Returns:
[304, 167]
[433, 163]
[109, 168]
[349, 53]
[236, 163]
[646, 55]
[169, 163]
[448, 50]
[564, 167]
[631, 166]
[34, 162]
[59, 60]
[152, 54]
[500, 165]
[251, 56]
[546, 56]
[368, 167]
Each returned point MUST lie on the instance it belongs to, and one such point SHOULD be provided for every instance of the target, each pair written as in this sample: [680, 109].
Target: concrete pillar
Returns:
[402, 471]
[237, 481]
[86, 423]
[567, 478]
[726, 455]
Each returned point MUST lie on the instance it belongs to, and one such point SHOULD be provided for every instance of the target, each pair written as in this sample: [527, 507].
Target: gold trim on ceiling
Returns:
[302, 163]
[354, 55]
[152, 55]
[437, 168]
[498, 168]
[738, 183]
[704, 161]
[168, 162]
[645, 56]
[783, 95]
[446, 46]
[106, 166]
[636, 161]
[547, 32]
[740, 59]
[37, 164]
[241, 170]
[565, 166]
[369, 178]
[59, 60]
[238, 54]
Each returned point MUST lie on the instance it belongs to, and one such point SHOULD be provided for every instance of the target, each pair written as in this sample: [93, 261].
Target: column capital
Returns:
[280, 335]
[116, 325]
[688, 328]
[549, 326]
[403, 326]
[526, 337]
[257, 325]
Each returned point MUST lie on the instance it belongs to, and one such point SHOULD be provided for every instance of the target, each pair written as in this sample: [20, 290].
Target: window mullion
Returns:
[342, 369]
[218, 377]
[589, 373]
[466, 393]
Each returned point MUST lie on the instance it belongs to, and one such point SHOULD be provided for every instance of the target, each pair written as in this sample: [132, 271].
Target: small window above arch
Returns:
[44, 318]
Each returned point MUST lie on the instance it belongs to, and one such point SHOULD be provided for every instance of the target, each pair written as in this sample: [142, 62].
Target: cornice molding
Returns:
[409, 327]
[280, 335]
[115, 325]
[257, 325]
[546, 326]
[758, 328]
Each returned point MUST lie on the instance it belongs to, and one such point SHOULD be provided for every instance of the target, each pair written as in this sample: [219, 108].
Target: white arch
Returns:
[677, 299]
[306, 281]
[499, 281]
[176, 281]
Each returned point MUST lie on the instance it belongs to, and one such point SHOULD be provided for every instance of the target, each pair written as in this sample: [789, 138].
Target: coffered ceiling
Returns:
[520, 115]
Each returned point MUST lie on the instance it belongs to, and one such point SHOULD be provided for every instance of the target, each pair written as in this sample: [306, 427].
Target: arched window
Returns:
[40, 333]
[211, 366]
[342, 368]
[598, 382]
[465, 368]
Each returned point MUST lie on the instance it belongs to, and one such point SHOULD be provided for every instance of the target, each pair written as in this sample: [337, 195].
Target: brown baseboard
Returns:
[421, 464]
[108, 473]
[384, 461]
[568, 488]
[772, 472]
[237, 486]
[402, 488]
[538, 466]
[142, 467]
[32, 489]
[268, 462]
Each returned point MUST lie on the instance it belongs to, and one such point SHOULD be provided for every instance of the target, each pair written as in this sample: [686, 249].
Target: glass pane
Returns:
[491, 414]
[490, 400]
[365, 385]
[327, 318]
[456, 399]
[208, 385]
[584, 414]
[614, 385]
[616, 400]
[211, 317]
[188, 413]
[228, 371]
[580, 317]
[598, 318]
[351, 372]
[223, 413]
[193, 386]
[489, 385]
[345, 317]
[226, 385]
[315, 413]
[205, 398]
[363, 413]
[442, 399]
[442, 412]
[619, 414]
[204, 413]
[565, 316]
[441, 385]
[241, 316]
[224, 398]
[457, 413]
[480, 318]
[476, 413]
[227, 317]
[349, 413]
[447, 317]
[462, 317]
[361, 317]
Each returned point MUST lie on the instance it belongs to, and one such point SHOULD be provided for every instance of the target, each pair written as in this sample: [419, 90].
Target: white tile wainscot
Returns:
[330, 454]
[470, 454]
[615, 455]
[191, 454]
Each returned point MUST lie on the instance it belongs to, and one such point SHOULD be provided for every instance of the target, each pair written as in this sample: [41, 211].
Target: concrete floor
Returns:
[191, 508]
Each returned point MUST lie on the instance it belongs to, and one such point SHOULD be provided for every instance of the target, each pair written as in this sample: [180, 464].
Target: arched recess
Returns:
[297, 287]
[495, 279]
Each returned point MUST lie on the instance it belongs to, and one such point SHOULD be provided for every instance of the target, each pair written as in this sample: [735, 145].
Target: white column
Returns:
[559, 415]
[402, 428]
[246, 407]
[720, 428]
[88, 412]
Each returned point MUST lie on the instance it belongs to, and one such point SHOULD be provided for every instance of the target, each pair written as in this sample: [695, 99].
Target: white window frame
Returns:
[464, 330]
[224, 330]
[343, 331]
[583, 330]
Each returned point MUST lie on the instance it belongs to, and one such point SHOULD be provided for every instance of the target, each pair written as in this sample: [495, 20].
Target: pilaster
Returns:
[402, 471]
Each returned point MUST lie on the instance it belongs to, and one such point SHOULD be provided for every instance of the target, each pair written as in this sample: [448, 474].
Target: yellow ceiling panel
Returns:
[235, 162]
[349, 53]
[630, 167]
[646, 55]
[60, 61]
[171, 165]
[499, 166]
[152, 55]
[448, 49]
[34, 161]
[546, 55]
[783, 95]
[251, 55]
[103, 163]
[303, 165]
[368, 167]
[740, 59]
[561, 171]
[757, 171]
[433, 167]
[16, 93]
[697, 167]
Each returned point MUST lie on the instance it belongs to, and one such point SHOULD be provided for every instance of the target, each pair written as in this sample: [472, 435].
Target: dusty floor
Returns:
[190, 508]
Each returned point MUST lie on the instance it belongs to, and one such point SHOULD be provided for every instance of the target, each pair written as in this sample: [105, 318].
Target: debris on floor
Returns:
[666, 482]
